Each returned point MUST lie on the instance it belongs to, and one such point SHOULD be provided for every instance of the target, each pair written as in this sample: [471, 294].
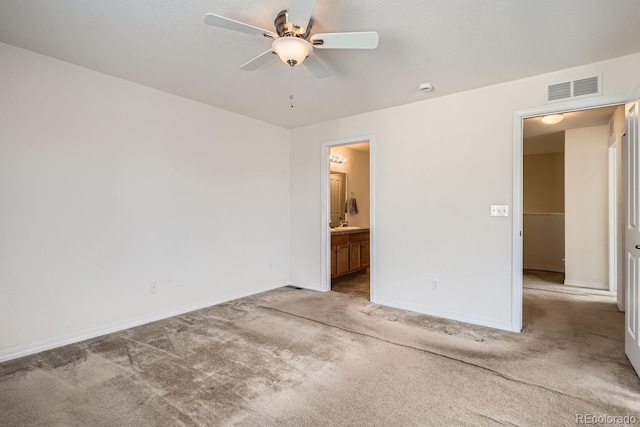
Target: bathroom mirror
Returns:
[338, 197]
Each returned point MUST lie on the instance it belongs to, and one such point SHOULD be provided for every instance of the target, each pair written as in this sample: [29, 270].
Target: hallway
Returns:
[585, 323]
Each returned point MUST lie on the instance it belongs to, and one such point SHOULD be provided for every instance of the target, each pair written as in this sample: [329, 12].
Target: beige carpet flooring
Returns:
[293, 357]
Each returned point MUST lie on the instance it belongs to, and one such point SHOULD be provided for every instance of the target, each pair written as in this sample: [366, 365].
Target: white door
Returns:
[632, 237]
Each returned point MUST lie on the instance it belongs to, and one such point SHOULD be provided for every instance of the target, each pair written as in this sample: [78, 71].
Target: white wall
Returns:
[541, 144]
[543, 241]
[543, 183]
[107, 186]
[543, 206]
[586, 207]
[357, 169]
[438, 166]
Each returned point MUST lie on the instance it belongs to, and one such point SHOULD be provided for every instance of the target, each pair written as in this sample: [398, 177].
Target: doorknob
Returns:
[637, 246]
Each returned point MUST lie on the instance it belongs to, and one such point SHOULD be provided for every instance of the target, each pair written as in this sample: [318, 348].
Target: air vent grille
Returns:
[559, 91]
[585, 86]
[588, 86]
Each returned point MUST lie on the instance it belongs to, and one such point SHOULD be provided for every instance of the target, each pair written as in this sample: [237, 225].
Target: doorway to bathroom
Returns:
[348, 220]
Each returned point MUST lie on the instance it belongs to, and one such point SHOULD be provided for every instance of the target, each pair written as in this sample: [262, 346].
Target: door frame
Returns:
[325, 237]
[612, 152]
[518, 118]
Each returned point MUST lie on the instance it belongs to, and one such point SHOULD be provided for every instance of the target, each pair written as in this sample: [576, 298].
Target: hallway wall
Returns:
[543, 202]
[586, 207]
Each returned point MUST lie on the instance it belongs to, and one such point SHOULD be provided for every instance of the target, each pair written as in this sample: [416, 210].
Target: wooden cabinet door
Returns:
[342, 259]
[334, 262]
[354, 256]
[365, 254]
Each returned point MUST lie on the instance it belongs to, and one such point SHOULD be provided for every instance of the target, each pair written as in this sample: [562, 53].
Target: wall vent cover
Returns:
[579, 88]
[559, 91]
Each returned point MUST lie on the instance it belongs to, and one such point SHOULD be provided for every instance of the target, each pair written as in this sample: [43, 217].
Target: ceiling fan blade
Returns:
[230, 24]
[300, 12]
[317, 67]
[363, 40]
[259, 61]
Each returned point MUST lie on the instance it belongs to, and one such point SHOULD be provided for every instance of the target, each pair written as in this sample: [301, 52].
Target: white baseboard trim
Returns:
[444, 315]
[590, 285]
[37, 347]
[555, 269]
[302, 285]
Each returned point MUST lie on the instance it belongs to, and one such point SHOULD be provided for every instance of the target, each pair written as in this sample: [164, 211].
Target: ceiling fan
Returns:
[293, 42]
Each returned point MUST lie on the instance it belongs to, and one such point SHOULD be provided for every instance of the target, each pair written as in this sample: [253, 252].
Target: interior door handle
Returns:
[637, 246]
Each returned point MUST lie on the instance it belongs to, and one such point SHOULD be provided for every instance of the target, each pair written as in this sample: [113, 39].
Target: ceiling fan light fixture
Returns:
[552, 119]
[292, 40]
[292, 50]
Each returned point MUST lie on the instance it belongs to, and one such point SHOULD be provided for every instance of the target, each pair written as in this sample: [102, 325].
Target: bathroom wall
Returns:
[357, 169]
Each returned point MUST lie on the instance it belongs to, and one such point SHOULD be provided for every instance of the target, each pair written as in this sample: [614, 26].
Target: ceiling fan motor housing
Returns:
[284, 28]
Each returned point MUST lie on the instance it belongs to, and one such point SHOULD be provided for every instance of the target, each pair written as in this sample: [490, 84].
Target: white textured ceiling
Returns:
[454, 44]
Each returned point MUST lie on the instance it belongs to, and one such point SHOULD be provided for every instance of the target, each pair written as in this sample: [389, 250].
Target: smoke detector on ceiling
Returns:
[426, 87]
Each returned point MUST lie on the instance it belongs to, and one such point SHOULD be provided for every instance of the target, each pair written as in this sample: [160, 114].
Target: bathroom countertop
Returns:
[338, 232]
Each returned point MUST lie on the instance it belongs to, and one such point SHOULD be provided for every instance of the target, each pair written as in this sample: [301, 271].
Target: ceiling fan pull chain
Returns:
[291, 95]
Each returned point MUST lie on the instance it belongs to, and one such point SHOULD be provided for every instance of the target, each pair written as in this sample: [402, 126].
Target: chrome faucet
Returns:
[343, 223]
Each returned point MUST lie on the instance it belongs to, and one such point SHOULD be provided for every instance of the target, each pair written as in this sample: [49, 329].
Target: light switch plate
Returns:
[499, 210]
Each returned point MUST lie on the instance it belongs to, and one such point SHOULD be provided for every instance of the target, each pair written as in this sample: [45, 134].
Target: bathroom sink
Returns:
[344, 228]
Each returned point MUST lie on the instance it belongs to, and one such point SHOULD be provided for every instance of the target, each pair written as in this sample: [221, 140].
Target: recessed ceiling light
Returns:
[552, 119]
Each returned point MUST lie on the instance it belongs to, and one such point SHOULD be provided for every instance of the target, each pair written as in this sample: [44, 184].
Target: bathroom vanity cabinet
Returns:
[349, 252]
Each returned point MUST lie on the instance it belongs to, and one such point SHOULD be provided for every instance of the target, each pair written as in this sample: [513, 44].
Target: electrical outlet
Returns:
[153, 288]
[435, 285]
